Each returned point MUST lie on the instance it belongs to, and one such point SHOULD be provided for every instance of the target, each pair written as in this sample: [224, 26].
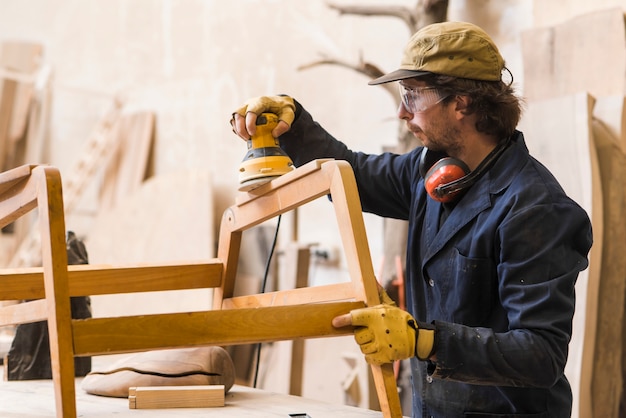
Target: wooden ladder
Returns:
[99, 147]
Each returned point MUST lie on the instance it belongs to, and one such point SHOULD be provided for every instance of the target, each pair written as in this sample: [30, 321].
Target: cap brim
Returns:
[397, 75]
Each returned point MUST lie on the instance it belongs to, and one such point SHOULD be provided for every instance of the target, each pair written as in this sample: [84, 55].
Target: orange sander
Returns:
[265, 160]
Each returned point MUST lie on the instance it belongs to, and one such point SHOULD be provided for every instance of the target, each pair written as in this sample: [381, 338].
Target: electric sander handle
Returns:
[265, 159]
[262, 138]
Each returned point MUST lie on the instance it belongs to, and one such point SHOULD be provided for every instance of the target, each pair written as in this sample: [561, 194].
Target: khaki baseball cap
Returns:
[456, 49]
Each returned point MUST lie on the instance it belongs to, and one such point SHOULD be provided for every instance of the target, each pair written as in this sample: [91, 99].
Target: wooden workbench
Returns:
[31, 399]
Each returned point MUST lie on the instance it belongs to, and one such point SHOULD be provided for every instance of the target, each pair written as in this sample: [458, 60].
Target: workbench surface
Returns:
[35, 398]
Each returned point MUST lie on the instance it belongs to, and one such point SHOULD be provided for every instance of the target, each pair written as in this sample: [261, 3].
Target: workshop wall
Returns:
[192, 62]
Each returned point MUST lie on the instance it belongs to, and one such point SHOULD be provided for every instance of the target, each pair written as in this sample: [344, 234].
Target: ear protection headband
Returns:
[445, 177]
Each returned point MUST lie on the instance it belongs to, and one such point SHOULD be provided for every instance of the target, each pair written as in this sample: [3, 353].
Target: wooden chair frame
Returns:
[232, 320]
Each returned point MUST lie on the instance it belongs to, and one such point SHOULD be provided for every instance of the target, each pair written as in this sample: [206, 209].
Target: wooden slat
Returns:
[326, 293]
[218, 327]
[10, 178]
[22, 313]
[19, 194]
[89, 280]
[301, 172]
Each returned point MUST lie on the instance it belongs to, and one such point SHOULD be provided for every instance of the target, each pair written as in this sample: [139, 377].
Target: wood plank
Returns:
[586, 53]
[155, 397]
[7, 97]
[323, 293]
[218, 327]
[21, 109]
[567, 59]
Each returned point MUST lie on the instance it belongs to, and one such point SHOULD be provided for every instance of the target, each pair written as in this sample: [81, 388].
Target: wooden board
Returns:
[159, 397]
[585, 54]
[558, 133]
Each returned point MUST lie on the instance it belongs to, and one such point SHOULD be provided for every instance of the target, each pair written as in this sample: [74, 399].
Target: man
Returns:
[492, 256]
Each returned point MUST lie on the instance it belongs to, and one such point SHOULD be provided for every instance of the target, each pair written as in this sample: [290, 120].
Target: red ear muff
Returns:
[443, 172]
[445, 177]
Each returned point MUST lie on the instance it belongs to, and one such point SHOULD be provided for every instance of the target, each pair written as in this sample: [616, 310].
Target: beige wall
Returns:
[194, 61]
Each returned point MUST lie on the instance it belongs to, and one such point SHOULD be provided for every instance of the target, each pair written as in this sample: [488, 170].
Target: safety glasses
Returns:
[419, 99]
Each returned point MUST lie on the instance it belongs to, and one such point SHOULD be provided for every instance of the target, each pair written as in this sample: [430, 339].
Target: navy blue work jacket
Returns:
[496, 277]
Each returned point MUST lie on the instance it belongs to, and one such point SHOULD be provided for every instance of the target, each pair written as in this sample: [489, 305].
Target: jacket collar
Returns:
[476, 199]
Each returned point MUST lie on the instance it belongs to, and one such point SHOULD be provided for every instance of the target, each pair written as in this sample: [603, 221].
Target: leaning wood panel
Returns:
[584, 54]
[607, 381]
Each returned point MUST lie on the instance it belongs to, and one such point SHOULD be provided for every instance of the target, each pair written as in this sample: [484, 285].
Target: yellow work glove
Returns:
[385, 299]
[386, 333]
[244, 118]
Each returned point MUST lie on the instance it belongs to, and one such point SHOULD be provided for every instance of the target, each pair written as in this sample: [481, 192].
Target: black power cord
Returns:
[263, 285]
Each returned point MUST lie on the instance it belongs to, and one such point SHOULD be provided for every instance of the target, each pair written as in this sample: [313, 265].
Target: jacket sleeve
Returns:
[384, 181]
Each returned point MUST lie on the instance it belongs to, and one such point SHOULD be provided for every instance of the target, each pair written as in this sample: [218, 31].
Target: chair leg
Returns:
[54, 260]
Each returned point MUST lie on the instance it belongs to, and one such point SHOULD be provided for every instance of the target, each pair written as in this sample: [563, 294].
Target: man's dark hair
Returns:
[497, 107]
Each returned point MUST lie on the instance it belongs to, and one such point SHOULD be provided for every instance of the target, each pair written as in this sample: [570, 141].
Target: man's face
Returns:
[429, 118]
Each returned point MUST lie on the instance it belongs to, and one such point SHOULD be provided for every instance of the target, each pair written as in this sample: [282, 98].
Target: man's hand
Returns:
[243, 119]
[386, 333]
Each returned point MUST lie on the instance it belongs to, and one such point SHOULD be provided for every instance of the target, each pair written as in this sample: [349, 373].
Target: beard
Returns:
[439, 136]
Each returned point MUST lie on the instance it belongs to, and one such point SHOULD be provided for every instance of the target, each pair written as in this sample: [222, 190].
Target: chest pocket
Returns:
[461, 289]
